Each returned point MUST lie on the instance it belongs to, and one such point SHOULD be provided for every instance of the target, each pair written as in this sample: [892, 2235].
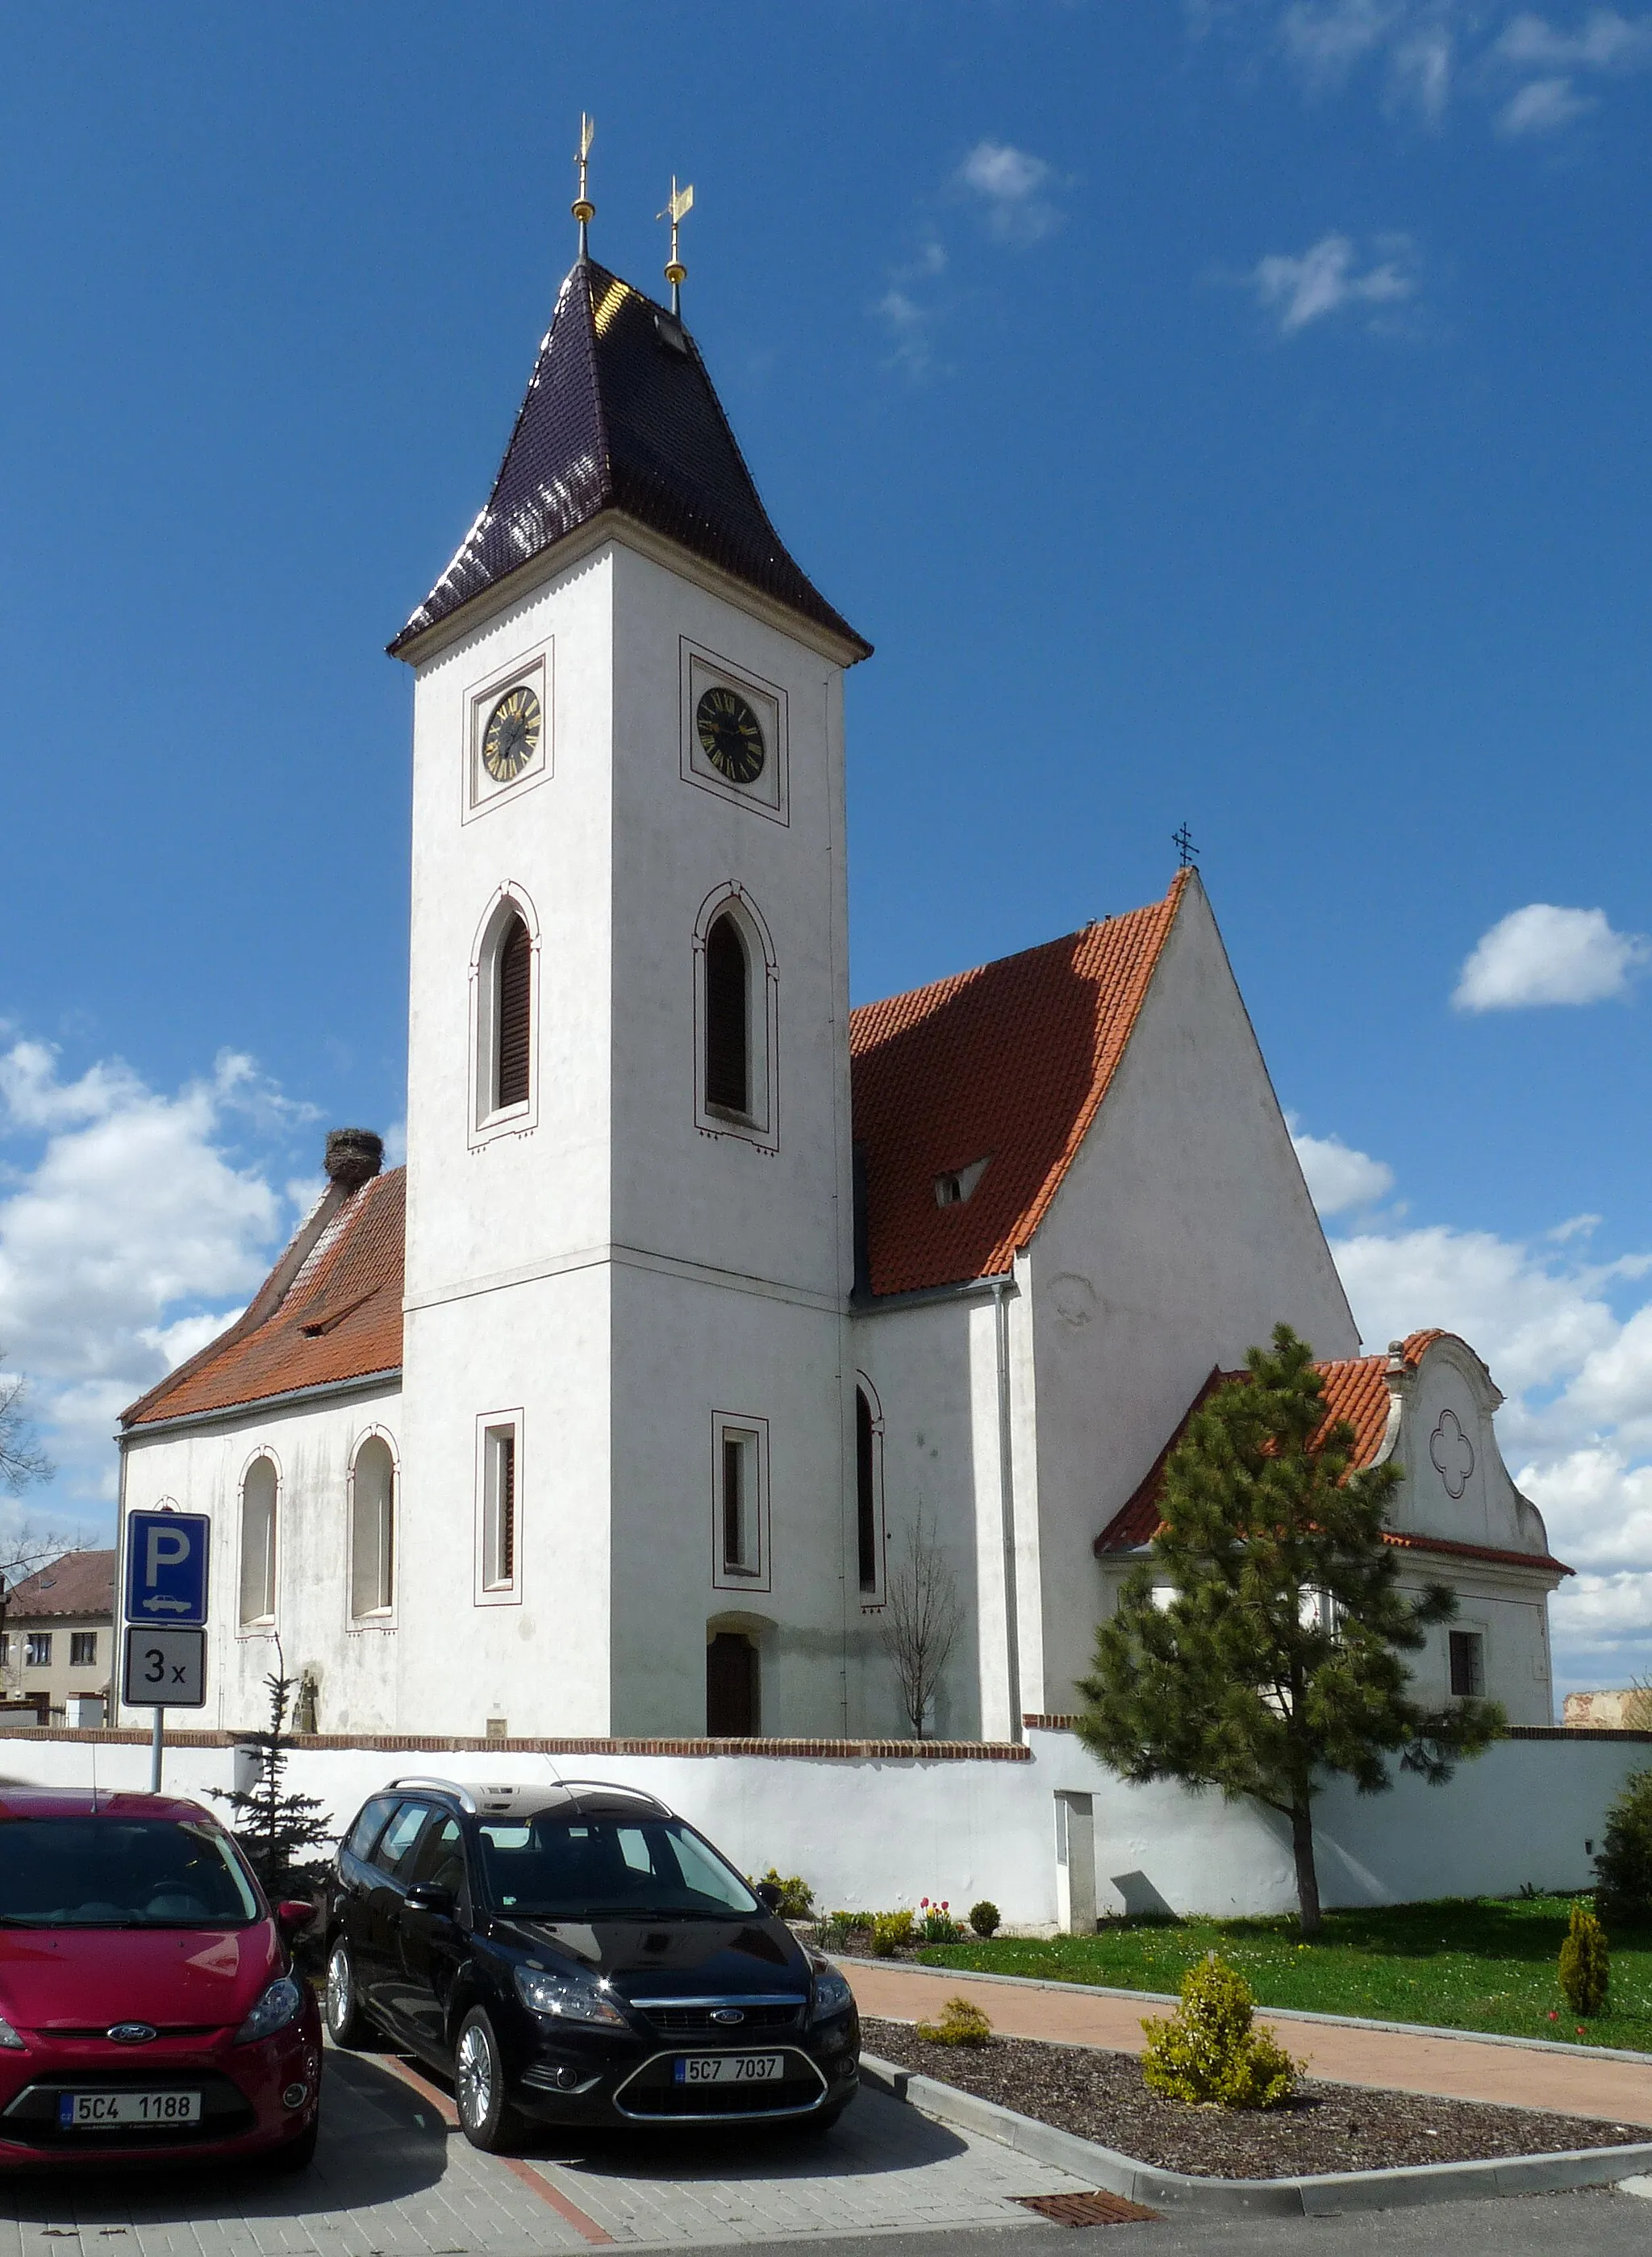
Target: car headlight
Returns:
[832, 1993]
[9, 2036]
[279, 2006]
[568, 1997]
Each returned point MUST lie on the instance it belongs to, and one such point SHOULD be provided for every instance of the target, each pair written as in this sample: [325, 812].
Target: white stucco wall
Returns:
[872, 1832]
[1183, 1233]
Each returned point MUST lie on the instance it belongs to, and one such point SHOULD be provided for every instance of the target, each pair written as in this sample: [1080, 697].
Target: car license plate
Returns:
[729, 2068]
[90, 2112]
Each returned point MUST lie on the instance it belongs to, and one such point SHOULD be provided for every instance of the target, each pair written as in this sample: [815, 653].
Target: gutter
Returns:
[228, 1412]
[1000, 1289]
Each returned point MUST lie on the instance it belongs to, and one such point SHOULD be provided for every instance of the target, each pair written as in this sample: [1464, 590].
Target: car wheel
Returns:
[346, 2024]
[297, 2154]
[486, 2118]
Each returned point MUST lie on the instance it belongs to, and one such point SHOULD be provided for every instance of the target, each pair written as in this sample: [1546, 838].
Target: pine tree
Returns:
[1276, 1660]
[280, 1832]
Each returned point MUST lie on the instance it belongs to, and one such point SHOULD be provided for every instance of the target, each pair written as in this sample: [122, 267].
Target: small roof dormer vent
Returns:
[955, 1186]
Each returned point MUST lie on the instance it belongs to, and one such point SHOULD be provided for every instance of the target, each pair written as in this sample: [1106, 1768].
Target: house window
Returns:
[1468, 1663]
[5, 1649]
[499, 1472]
[258, 1508]
[728, 1019]
[514, 979]
[37, 1651]
[740, 1485]
[732, 1710]
[82, 1649]
[372, 1529]
[869, 1539]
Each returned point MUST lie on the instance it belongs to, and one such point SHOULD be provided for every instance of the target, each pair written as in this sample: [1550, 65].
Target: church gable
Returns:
[972, 1096]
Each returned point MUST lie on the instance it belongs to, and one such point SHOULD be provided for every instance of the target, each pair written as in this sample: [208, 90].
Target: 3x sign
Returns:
[165, 1668]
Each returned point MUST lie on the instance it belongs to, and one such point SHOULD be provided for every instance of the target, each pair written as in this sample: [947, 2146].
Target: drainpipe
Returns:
[1006, 1502]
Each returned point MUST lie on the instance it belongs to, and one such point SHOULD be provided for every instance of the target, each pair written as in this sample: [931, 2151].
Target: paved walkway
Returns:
[393, 2177]
[1522, 2076]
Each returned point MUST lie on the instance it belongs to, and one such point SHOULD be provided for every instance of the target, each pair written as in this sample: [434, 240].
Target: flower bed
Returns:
[1325, 2127]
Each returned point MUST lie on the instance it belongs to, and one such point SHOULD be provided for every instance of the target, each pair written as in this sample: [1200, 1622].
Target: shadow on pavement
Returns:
[874, 2135]
[380, 2142]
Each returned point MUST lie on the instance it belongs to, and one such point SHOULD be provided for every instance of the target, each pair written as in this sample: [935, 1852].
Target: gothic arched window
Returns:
[513, 1015]
[259, 1491]
[372, 1534]
[728, 1018]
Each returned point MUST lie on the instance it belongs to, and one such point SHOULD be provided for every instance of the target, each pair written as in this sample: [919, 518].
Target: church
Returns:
[703, 1305]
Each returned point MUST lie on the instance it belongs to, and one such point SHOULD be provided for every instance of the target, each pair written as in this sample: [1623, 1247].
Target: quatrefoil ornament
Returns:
[1452, 1452]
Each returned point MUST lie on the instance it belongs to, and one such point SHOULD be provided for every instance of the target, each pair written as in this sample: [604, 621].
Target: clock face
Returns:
[513, 735]
[730, 735]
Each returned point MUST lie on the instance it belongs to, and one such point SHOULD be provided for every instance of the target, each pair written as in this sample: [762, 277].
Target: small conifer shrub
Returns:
[797, 1899]
[1207, 2051]
[890, 1930]
[962, 2023]
[1623, 1864]
[984, 1917]
[1586, 1970]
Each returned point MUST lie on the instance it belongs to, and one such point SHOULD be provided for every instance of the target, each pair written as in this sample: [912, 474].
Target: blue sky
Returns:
[1234, 412]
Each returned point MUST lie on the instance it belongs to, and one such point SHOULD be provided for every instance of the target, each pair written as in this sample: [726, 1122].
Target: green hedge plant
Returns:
[984, 1917]
[1623, 1864]
[1207, 2051]
[1586, 1970]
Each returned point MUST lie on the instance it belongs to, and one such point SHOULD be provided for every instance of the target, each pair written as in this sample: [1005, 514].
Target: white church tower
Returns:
[628, 1386]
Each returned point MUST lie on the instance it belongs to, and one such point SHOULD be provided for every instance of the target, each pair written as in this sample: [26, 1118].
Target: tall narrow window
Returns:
[372, 1529]
[728, 1015]
[865, 1492]
[498, 1534]
[1468, 1663]
[731, 1694]
[513, 1015]
[740, 1500]
[258, 1542]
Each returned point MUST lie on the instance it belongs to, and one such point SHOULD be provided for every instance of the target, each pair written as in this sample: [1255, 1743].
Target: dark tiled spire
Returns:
[620, 415]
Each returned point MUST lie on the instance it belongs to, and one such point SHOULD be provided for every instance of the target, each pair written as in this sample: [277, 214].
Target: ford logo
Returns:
[726, 2014]
[132, 2033]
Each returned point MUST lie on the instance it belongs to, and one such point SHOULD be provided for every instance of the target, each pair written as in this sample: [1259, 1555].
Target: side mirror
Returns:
[768, 1895]
[429, 1896]
[292, 1915]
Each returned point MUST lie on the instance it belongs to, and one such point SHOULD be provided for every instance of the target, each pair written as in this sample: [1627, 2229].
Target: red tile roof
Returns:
[1355, 1388]
[79, 1583]
[1006, 1063]
[339, 1320]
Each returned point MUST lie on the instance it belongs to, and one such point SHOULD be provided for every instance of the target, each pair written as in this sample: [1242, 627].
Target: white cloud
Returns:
[1339, 1178]
[1323, 281]
[1542, 954]
[133, 1228]
[1327, 40]
[908, 318]
[1606, 41]
[1542, 106]
[1013, 187]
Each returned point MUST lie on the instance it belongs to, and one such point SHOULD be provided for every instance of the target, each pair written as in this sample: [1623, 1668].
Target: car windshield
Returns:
[121, 1872]
[552, 1868]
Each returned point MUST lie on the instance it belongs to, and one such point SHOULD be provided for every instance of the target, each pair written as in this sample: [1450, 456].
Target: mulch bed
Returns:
[1323, 2127]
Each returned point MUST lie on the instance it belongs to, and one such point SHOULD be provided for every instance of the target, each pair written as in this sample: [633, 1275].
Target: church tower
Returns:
[629, 1392]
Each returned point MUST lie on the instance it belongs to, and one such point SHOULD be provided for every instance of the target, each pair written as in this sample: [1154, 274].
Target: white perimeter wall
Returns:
[866, 1831]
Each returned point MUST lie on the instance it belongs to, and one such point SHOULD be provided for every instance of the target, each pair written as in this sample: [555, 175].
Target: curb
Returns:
[1322, 2196]
[1274, 2013]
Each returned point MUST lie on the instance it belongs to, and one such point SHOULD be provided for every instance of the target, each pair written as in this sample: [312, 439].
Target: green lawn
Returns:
[1468, 1964]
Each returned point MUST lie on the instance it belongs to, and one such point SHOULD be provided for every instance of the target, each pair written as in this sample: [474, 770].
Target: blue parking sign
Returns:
[166, 1567]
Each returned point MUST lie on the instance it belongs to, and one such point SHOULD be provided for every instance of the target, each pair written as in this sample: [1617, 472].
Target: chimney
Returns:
[354, 1157]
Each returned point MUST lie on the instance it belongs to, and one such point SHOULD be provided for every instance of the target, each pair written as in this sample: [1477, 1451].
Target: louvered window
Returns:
[865, 1492]
[498, 1542]
[727, 1018]
[514, 1015]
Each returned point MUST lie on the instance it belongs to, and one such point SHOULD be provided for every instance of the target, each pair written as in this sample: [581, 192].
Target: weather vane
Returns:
[584, 210]
[1186, 853]
[676, 212]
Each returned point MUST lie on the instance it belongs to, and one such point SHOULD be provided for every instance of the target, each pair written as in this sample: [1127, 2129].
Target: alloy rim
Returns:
[474, 2078]
[338, 1990]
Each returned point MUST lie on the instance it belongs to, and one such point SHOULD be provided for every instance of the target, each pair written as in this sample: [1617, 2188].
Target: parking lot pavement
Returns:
[393, 2178]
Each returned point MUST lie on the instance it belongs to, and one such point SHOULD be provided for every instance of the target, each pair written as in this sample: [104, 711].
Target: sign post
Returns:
[166, 1587]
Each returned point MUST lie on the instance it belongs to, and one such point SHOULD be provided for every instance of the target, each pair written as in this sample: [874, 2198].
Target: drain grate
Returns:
[1085, 2209]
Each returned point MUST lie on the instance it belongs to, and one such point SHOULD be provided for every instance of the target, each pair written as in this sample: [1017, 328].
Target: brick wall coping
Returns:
[438, 1743]
[1513, 1732]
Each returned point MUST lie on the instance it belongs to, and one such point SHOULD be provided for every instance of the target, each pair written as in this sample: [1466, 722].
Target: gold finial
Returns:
[676, 212]
[584, 210]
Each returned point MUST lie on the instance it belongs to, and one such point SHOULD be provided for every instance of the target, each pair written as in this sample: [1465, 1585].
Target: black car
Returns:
[579, 1954]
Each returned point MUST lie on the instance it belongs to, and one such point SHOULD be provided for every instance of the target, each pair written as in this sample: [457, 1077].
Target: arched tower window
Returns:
[259, 1490]
[869, 1511]
[728, 1018]
[372, 1535]
[512, 1019]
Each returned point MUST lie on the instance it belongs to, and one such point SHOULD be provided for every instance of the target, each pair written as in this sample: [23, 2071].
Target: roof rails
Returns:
[462, 1794]
[474, 1798]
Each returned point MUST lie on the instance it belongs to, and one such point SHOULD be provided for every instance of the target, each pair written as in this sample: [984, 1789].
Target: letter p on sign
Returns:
[168, 1548]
